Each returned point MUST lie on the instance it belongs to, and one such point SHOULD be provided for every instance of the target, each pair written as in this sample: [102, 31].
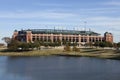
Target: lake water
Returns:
[58, 68]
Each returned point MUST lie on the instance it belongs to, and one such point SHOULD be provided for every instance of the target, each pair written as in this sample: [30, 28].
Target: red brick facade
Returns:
[28, 36]
[108, 37]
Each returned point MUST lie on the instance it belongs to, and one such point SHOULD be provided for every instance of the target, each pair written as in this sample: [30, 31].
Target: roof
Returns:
[54, 31]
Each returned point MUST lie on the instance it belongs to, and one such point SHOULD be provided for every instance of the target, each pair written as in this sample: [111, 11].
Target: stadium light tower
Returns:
[85, 25]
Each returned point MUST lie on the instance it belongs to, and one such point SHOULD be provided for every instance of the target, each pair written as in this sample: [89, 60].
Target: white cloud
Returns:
[73, 18]
[23, 15]
[103, 21]
[49, 4]
[112, 3]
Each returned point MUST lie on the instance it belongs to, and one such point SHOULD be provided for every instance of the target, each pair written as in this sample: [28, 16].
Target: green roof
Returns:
[67, 32]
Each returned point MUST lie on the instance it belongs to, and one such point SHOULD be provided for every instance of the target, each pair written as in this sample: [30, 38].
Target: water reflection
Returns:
[58, 68]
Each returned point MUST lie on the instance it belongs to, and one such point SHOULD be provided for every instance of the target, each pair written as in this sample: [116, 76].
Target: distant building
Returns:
[2, 44]
[80, 37]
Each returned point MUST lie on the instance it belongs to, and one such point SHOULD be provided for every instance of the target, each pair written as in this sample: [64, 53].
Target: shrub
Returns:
[76, 49]
[67, 48]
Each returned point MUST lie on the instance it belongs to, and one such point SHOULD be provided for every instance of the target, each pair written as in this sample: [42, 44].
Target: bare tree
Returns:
[6, 39]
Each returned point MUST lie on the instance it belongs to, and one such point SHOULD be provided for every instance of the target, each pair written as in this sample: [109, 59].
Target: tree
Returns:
[24, 46]
[103, 44]
[59, 42]
[115, 45]
[118, 44]
[13, 45]
[7, 40]
[36, 44]
[109, 44]
[74, 44]
[89, 44]
[64, 42]
[97, 44]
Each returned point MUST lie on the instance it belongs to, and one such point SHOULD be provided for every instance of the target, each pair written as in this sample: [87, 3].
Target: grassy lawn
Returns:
[32, 53]
[100, 53]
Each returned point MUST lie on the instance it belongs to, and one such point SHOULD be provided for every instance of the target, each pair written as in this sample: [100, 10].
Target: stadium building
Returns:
[53, 35]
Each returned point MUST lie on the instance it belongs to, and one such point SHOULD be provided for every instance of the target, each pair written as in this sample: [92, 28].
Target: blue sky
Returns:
[100, 15]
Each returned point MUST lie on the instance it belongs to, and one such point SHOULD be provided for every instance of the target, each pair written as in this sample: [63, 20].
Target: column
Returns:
[87, 38]
[79, 37]
[51, 36]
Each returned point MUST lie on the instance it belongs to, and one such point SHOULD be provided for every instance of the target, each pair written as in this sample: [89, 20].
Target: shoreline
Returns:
[97, 53]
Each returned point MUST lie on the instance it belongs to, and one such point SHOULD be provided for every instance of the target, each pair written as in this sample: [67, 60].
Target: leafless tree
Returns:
[6, 39]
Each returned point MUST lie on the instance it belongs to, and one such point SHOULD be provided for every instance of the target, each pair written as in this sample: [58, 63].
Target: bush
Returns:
[15, 45]
[24, 46]
[76, 49]
[103, 44]
[67, 48]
